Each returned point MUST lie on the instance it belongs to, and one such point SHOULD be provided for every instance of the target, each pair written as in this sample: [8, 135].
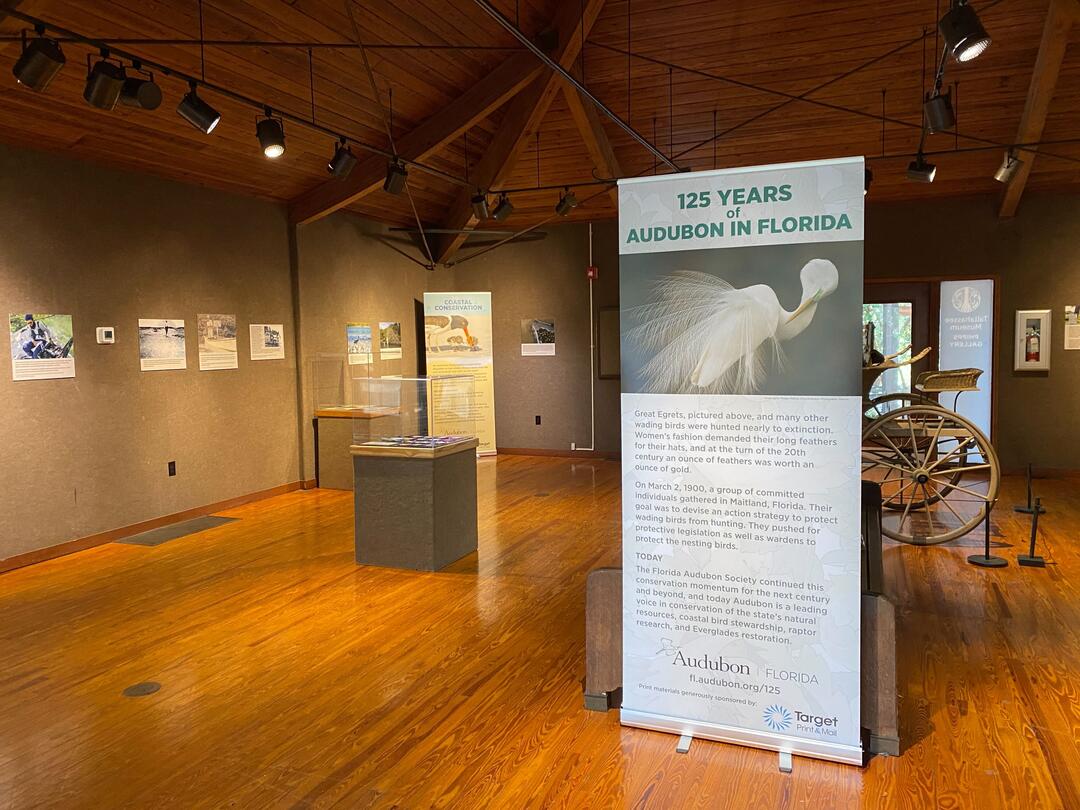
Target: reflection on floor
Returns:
[292, 678]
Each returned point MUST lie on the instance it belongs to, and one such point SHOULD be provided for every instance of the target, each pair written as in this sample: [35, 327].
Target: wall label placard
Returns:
[741, 300]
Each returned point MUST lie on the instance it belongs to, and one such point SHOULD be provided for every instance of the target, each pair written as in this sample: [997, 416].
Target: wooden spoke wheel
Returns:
[938, 473]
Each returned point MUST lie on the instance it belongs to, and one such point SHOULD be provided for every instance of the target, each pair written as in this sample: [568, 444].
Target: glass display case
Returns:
[404, 407]
[356, 406]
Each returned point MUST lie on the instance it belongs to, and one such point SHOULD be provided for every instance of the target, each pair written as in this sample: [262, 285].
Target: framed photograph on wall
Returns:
[1032, 340]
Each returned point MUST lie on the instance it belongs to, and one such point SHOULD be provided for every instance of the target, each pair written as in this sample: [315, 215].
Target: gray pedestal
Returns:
[415, 508]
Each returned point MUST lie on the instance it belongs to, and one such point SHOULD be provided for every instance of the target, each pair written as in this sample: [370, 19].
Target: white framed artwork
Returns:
[1031, 343]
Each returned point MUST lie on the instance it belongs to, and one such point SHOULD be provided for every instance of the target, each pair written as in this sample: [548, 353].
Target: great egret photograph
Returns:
[743, 320]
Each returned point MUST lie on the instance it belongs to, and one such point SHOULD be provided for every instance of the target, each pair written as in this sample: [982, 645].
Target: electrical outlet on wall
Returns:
[172, 468]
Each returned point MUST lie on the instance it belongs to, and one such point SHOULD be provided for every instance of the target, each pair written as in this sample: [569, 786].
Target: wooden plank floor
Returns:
[292, 678]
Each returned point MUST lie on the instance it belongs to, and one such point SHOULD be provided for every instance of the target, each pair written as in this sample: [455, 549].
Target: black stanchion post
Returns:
[1028, 509]
[1031, 559]
[986, 559]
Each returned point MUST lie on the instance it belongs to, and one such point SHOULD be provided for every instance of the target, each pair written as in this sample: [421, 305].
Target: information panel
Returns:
[457, 328]
[966, 326]
[741, 300]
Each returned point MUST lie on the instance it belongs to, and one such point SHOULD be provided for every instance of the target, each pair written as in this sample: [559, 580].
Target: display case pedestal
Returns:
[415, 507]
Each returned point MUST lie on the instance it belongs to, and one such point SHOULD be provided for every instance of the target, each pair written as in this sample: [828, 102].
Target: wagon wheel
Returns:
[879, 406]
[936, 470]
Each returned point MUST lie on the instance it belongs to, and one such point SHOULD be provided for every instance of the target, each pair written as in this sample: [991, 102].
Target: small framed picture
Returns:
[1032, 340]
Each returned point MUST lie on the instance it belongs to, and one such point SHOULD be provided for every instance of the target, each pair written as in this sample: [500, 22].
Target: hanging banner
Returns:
[457, 330]
[966, 327]
[740, 299]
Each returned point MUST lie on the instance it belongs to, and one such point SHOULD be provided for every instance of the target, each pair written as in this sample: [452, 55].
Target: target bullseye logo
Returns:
[777, 717]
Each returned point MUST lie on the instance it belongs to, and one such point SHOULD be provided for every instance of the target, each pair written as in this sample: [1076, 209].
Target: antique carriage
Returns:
[938, 472]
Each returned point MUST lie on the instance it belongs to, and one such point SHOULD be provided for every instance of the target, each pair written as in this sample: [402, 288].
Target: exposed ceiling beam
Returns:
[475, 104]
[573, 22]
[1055, 39]
[6, 6]
[598, 144]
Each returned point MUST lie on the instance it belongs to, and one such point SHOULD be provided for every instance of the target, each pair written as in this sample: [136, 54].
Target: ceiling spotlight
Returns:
[938, 112]
[920, 171]
[868, 178]
[343, 161]
[104, 82]
[567, 203]
[480, 205]
[504, 209]
[142, 93]
[1009, 167]
[964, 35]
[197, 112]
[396, 174]
[271, 134]
[41, 60]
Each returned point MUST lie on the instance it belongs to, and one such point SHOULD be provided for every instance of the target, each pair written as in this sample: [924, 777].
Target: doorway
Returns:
[901, 314]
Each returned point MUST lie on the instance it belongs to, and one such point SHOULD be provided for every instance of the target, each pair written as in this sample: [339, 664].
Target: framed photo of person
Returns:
[1032, 340]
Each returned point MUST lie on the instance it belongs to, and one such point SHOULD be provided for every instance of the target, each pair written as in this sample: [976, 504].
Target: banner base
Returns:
[847, 754]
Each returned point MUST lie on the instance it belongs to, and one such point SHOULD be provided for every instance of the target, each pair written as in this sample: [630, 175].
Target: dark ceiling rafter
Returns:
[573, 22]
[572, 81]
[270, 44]
[431, 135]
[388, 124]
[878, 117]
[821, 86]
[240, 98]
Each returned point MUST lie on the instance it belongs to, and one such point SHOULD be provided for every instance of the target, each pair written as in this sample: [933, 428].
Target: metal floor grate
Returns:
[155, 537]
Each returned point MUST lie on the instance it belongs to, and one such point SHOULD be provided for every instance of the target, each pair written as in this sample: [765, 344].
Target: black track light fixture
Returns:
[271, 134]
[141, 92]
[965, 37]
[40, 61]
[104, 82]
[504, 209]
[396, 175]
[938, 112]
[868, 178]
[920, 171]
[197, 112]
[480, 205]
[567, 203]
[343, 161]
[1008, 168]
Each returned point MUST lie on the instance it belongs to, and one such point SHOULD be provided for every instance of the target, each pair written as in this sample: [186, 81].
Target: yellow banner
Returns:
[457, 328]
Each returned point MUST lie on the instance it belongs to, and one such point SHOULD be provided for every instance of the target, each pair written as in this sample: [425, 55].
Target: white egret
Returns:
[706, 336]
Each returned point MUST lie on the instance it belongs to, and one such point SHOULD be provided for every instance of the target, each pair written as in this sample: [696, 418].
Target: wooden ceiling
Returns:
[490, 109]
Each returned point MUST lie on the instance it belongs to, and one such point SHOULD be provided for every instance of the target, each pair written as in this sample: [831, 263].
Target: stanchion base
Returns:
[983, 561]
[1029, 510]
[1032, 560]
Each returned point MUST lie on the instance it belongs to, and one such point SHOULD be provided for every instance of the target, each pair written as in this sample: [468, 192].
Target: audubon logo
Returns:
[707, 663]
[777, 717]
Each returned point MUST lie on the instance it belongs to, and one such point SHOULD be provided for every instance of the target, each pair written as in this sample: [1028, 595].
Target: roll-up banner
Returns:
[457, 328]
[741, 301]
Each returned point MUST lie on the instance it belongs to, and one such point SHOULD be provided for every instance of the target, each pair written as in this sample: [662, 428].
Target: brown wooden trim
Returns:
[112, 535]
[607, 455]
[1044, 78]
